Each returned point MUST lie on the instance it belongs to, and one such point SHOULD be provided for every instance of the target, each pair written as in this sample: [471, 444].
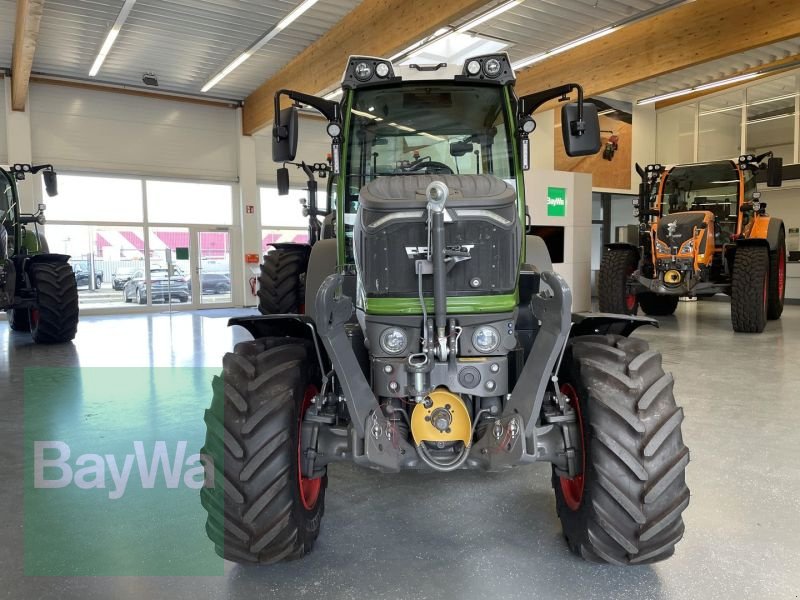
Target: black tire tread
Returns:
[57, 302]
[750, 268]
[254, 512]
[635, 489]
[774, 299]
[658, 305]
[280, 285]
[615, 266]
[18, 320]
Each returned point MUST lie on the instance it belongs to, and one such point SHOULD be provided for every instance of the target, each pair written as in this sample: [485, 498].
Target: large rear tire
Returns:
[750, 289]
[18, 319]
[261, 509]
[625, 508]
[281, 288]
[777, 279]
[657, 305]
[54, 319]
[612, 284]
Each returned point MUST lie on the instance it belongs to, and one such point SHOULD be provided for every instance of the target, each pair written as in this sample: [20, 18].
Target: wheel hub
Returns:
[309, 488]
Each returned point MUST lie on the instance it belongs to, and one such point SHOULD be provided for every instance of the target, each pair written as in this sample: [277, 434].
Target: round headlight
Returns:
[486, 339]
[394, 340]
[492, 67]
[473, 67]
[528, 125]
[334, 129]
[382, 70]
[363, 71]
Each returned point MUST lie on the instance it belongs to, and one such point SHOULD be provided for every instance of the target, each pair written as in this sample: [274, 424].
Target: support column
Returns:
[18, 142]
[248, 211]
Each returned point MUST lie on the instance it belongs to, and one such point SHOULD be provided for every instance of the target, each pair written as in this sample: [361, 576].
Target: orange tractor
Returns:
[703, 230]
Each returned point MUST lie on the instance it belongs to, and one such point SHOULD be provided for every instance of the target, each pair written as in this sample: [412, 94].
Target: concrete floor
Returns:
[473, 535]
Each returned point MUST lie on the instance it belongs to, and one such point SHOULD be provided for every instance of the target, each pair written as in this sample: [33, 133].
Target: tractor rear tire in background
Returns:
[18, 319]
[777, 279]
[612, 289]
[54, 319]
[657, 305]
[281, 284]
[750, 289]
[260, 507]
[626, 506]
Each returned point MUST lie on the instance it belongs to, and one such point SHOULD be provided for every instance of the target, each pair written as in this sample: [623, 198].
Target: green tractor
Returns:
[38, 290]
[436, 336]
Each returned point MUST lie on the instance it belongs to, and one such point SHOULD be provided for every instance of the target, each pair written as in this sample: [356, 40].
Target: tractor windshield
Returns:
[427, 128]
[709, 186]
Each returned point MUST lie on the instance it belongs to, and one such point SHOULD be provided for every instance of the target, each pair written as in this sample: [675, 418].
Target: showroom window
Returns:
[100, 222]
[770, 117]
[282, 217]
[675, 134]
[720, 126]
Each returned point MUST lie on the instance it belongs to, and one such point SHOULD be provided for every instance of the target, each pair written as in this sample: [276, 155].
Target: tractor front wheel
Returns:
[750, 289]
[261, 508]
[625, 507]
[777, 279]
[54, 319]
[616, 267]
[657, 305]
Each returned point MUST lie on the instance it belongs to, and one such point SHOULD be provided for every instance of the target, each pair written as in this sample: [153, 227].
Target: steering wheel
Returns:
[432, 165]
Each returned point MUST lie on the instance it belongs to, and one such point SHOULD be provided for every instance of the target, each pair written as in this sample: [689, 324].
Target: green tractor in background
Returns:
[436, 336]
[38, 290]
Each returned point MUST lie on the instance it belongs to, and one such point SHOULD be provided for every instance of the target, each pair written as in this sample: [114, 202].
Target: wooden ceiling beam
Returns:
[26, 34]
[374, 28]
[685, 36]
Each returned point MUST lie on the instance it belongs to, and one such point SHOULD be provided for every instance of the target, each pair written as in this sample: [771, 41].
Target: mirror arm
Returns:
[530, 103]
[328, 108]
[36, 168]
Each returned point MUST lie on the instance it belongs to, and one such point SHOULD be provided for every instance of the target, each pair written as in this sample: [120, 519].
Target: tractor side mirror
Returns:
[50, 183]
[283, 181]
[284, 136]
[581, 136]
[774, 172]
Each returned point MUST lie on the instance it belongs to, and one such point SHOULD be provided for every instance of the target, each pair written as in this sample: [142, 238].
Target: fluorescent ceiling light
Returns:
[488, 15]
[699, 88]
[526, 62]
[111, 37]
[255, 46]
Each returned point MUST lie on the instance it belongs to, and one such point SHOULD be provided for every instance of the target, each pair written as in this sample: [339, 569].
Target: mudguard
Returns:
[762, 235]
[604, 323]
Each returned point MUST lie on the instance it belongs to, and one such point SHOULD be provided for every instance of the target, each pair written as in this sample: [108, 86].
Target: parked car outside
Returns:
[81, 269]
[214, 283]
[162, 287]
[121, 276]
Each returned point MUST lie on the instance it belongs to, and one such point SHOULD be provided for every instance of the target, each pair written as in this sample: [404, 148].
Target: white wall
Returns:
[98, 131]
[783, 202]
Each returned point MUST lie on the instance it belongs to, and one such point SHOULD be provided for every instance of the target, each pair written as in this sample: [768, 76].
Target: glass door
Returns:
[168, 281]
[211, 277]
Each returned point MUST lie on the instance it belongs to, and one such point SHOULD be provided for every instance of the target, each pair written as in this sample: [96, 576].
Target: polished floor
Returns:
[472, 535]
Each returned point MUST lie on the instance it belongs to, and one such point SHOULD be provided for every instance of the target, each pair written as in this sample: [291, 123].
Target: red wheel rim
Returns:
[572, 489]
[781, 273]
[34, 317]
[630, 302]
[309, 488]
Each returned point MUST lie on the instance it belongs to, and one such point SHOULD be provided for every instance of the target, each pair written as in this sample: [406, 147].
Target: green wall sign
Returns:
[556, 202]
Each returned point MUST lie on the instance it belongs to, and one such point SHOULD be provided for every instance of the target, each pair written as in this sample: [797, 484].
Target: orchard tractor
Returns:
[38, 289]
[436, 337]
[703, 230]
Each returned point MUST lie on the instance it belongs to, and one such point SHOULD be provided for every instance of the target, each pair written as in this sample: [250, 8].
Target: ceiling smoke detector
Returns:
[150, 79]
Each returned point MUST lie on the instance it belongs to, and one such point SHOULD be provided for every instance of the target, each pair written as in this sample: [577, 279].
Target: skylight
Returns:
[454, 49]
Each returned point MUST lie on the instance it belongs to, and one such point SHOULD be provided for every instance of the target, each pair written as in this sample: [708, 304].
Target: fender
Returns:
[604, 323]
[766, 232]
